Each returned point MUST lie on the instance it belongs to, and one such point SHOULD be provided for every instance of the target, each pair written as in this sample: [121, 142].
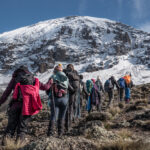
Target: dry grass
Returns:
[140, 102]
[121, 105]
[114, 110]
[123, 145]
[107, 125]
[10, 144]
[125, 133]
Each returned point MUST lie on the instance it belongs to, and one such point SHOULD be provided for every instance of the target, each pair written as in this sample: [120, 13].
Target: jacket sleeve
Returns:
[70, 88]
[131, 84]
[46, 86]
[73, 75]
[84, 89]
[102, 87]
[7, 91]
[16, 91]
[116, 83]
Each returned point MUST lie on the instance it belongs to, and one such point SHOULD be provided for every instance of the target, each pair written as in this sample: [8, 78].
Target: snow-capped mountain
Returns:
[95, 46]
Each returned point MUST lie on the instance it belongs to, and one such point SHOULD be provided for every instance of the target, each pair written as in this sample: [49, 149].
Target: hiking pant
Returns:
[99, 105]
[110, 96]
[70, 110]
[59, 106]
[127, 93]
[121, 94]
[78, 105]
[17, 121]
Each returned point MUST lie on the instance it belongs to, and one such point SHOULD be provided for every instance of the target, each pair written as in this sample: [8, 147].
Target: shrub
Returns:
[125, 133]
[123, 145]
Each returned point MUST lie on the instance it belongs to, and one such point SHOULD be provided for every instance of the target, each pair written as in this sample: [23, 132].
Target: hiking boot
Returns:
[127, 101]
[51, 128]
[60, 127]
[20, 137]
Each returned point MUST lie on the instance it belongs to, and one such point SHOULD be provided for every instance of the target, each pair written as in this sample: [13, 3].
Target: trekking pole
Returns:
[53, 102]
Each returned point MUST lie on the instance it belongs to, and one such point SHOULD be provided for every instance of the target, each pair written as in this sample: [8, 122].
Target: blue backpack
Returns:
[121, 82]
[108, 85]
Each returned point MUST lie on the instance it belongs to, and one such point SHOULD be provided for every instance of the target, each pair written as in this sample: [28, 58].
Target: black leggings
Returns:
[16, 121]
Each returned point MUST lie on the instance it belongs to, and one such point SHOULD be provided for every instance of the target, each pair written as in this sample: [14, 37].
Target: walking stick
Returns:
[53, 101]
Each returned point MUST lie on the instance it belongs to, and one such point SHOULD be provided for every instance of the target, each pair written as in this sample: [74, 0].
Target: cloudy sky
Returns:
[19, 13]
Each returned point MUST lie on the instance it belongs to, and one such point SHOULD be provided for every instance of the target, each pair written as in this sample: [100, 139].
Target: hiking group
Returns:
[67, 94]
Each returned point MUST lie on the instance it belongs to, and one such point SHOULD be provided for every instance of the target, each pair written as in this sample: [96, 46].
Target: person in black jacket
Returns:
[74, 80]
[99, 84]
[82, 94]
[109, 88]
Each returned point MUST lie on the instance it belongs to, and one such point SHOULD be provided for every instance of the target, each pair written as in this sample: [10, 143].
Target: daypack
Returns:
[95, 95]
[89, 86]
[74, 79]
[98, 84]
[121, 82]
[108, 85]
[127, 79]
[25, 78]
[60, 84]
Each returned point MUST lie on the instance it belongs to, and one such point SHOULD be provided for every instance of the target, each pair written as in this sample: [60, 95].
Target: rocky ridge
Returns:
[97, 43]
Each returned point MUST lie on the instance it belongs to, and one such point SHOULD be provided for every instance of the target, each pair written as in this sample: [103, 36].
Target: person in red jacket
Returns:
[25, 102]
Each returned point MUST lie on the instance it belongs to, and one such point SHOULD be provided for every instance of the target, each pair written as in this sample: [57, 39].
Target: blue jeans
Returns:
[127, 93]
[59, 111]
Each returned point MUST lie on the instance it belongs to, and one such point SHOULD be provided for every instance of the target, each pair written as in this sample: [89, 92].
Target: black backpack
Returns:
[108, 85]
[25, 78]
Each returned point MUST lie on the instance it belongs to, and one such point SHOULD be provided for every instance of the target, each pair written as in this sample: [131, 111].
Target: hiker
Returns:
[100, 87]
[89, 86]
[83, 92]
[128, 86]
[25, 101]
[59, 100]
[74, 79]
[121, 90]
[109, 88]
[80, 95]
[99, 84]
[95, 96]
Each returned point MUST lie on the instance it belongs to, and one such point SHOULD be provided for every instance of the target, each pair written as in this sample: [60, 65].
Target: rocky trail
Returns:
[120, 126]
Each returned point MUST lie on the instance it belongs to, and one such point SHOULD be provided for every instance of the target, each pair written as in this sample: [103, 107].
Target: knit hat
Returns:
[58, 67]
[93, 80]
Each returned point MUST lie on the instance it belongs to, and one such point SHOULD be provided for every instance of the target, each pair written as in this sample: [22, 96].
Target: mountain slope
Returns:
[96, 45]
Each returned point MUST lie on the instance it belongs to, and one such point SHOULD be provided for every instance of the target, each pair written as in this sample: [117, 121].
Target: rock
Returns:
[103, 116]
[43, 67]
[100, 133]
[92, 68]
[70, 143]
[60, 54]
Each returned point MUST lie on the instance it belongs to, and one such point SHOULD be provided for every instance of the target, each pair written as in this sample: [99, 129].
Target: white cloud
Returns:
[145, 27]
[120, 4]
[139, 9]
[82, 7]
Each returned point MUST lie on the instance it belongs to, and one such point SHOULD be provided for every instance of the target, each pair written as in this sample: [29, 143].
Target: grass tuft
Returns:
[10, 144]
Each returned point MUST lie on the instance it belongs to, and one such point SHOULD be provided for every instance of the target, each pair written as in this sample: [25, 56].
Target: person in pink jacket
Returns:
[25, 101]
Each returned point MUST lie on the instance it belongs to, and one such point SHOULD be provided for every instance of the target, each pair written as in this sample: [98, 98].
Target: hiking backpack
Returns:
[95, 96]
[121, 82]
[108, 85]
[127, 79]
[98, 84]
[25, 78]
[89, 86]
[60, 84]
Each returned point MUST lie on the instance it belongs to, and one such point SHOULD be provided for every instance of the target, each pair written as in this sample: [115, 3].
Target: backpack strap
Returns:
[15, 94]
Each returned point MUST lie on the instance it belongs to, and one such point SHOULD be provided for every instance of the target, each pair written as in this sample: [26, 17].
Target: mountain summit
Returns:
[95, 46]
